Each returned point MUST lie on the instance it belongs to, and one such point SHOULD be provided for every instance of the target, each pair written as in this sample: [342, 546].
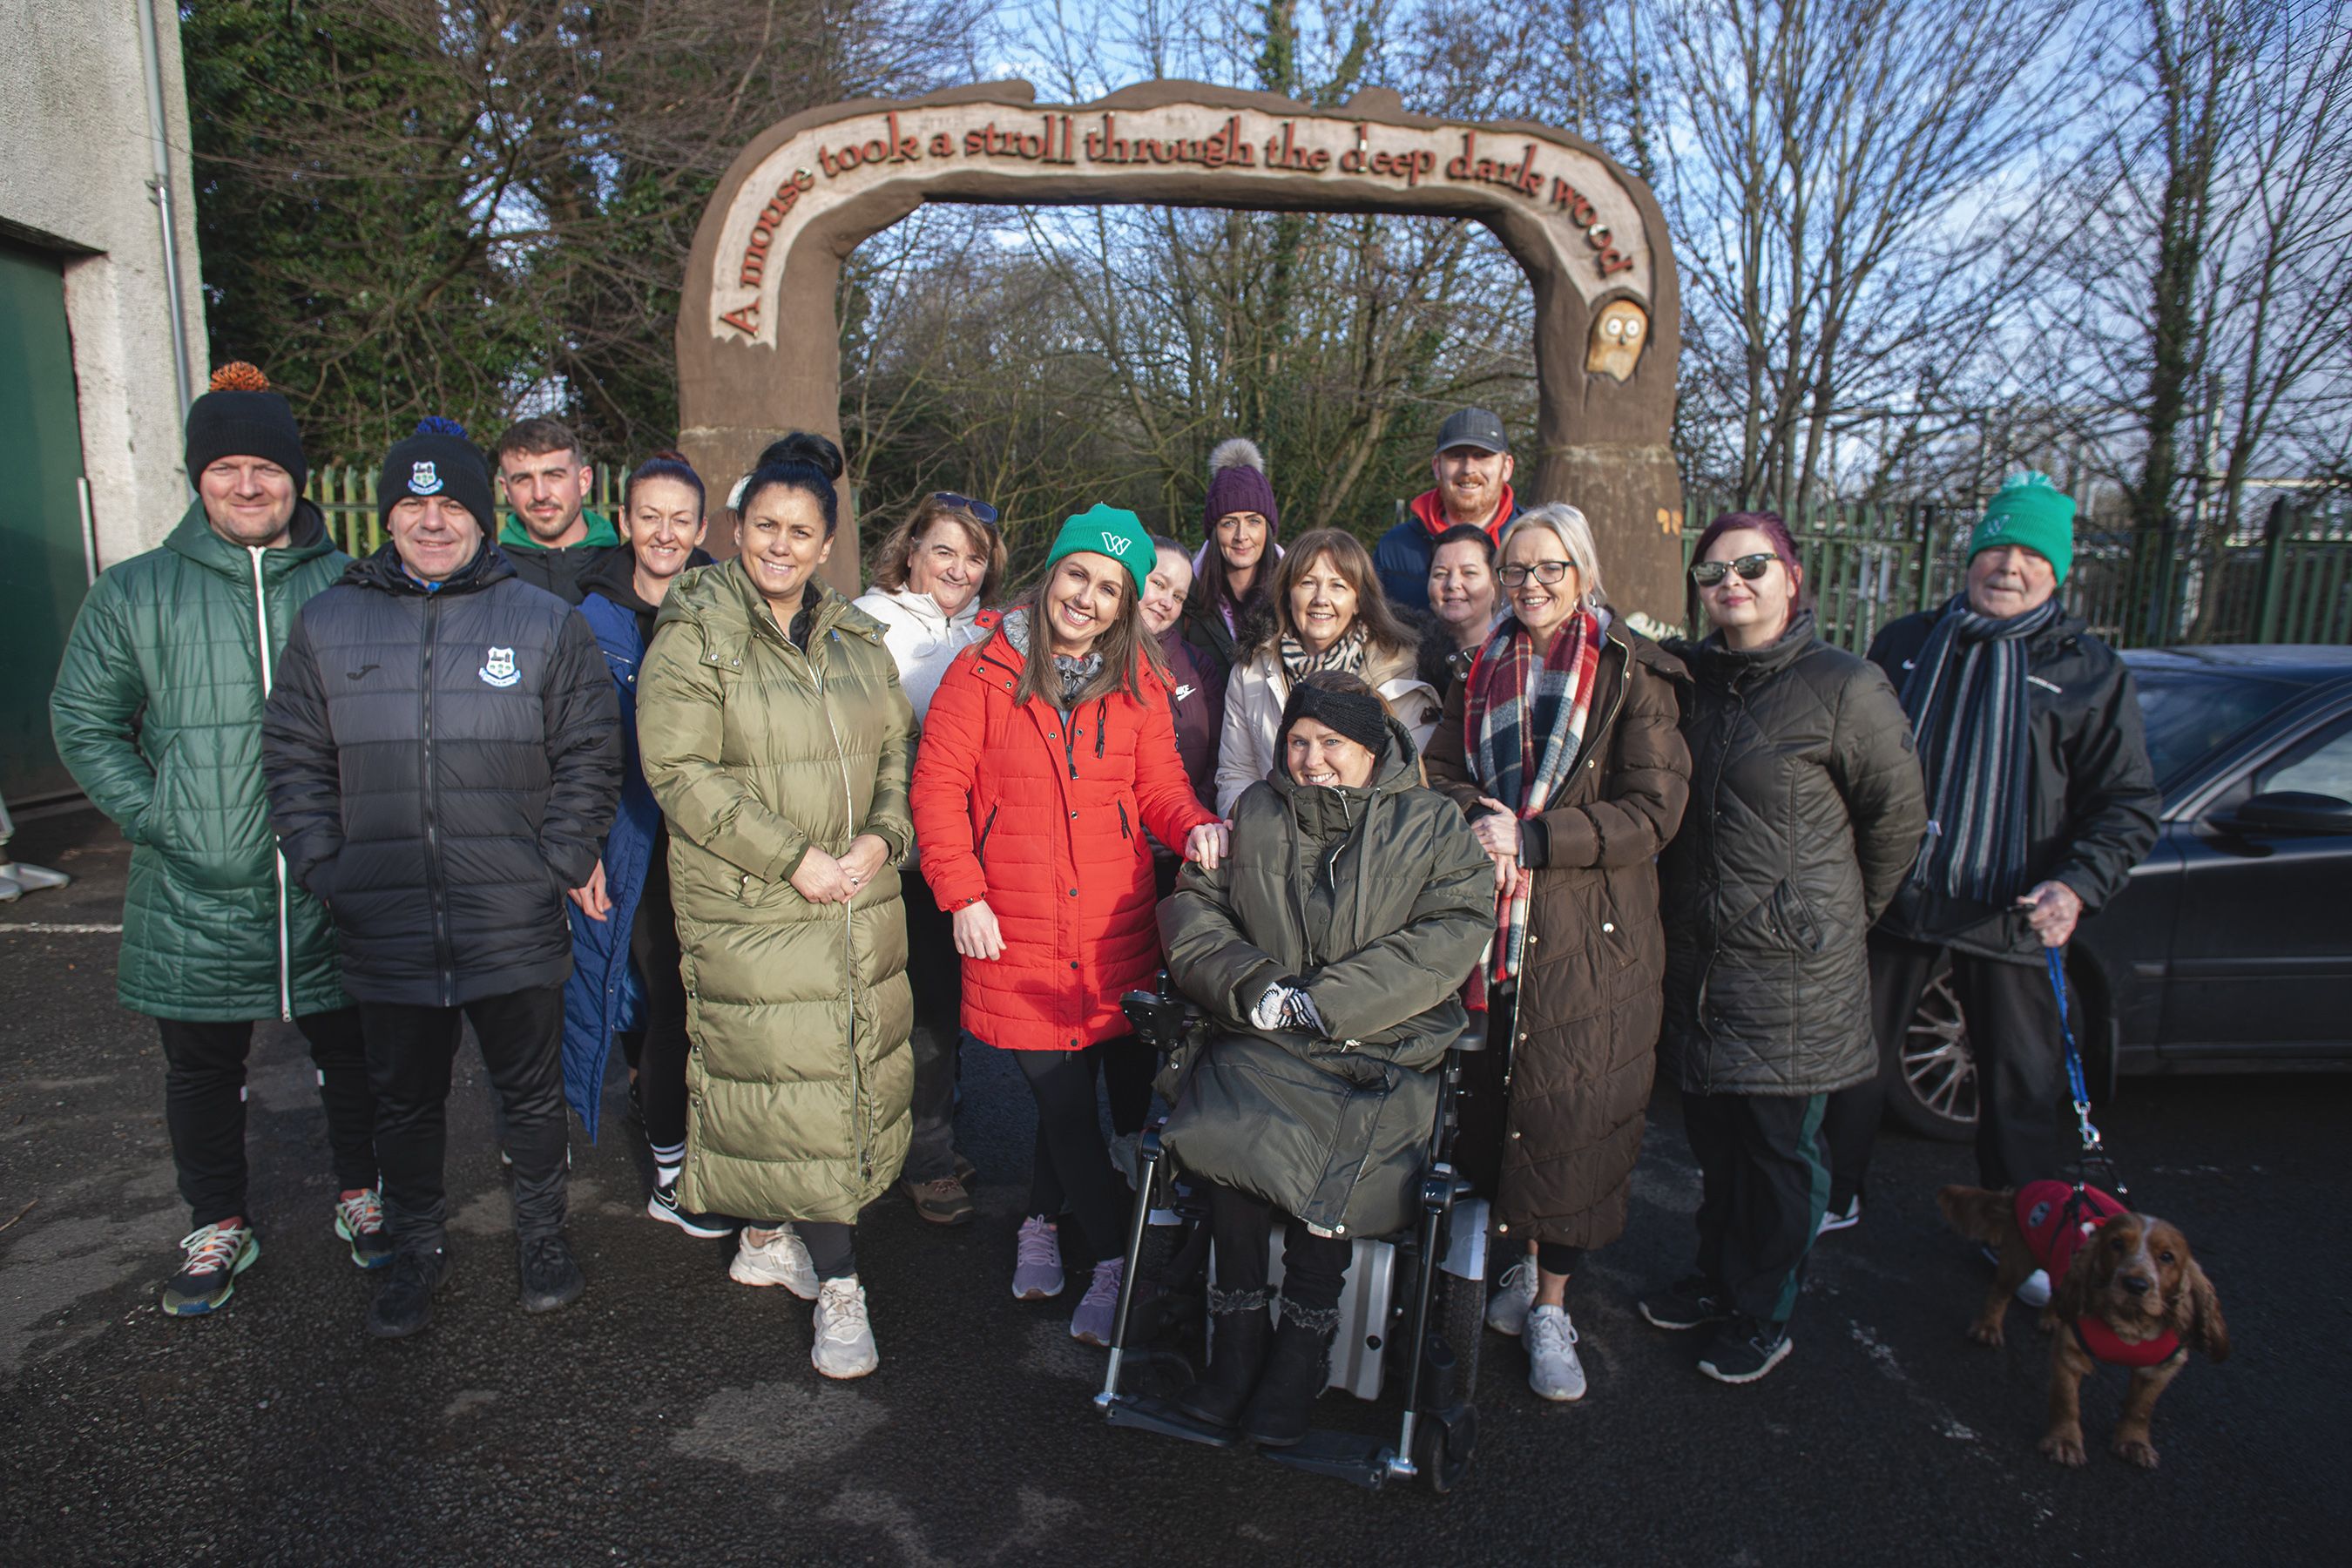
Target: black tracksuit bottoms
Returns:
[2012, 1024]
[203, 1107]
[1764, 1187]
[937, 974]
[410, 1051]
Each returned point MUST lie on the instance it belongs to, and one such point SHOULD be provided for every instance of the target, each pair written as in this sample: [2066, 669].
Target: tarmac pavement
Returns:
[672, 1417]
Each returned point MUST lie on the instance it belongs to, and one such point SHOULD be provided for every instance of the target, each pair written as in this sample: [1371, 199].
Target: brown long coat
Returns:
[1590, 984]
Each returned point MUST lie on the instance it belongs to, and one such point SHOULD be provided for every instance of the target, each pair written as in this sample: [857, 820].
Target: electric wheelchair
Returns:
[1413, 1304]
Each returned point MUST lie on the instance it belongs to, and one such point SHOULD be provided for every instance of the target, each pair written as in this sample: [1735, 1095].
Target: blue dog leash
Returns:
[2095, 1149]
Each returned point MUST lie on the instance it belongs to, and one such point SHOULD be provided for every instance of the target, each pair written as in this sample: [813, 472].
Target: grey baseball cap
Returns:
[1476, 427]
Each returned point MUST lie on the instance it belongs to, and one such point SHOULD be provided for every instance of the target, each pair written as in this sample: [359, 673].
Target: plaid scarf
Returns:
[1966, 698]
[1347, 654]
[1523, 722]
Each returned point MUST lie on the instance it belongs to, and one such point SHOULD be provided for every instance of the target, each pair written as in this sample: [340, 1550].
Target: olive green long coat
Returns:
[799, 1077]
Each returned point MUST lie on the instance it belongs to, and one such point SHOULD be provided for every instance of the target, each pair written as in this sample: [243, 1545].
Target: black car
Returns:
[2231, 949]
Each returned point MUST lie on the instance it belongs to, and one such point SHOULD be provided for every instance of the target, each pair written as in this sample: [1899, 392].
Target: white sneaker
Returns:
[1553, 1371]
[2034, 1291]
[1507, 1312]
[1038, 1260]
[1845, 1218]
[844, 1339]
[1099, 1307]
[782, 1259]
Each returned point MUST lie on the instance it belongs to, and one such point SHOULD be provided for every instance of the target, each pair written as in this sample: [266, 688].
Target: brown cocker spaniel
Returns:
[2125, 1290]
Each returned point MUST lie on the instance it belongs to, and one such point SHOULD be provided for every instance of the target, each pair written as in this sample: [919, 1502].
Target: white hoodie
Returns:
[921, 637]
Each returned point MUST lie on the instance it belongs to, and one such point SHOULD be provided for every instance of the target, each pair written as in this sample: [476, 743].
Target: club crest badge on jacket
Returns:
[499, 668]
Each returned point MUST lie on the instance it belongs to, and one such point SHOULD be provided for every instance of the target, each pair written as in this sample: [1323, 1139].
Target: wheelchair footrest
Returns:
[1150, 1415]
[1342, 1456]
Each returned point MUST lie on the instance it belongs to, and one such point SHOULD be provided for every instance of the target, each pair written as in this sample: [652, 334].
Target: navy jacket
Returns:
[442, 767]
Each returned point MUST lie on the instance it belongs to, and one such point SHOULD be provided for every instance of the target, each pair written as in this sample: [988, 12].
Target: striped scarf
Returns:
[1523, 722]
[1347, 654]
[1966, 698]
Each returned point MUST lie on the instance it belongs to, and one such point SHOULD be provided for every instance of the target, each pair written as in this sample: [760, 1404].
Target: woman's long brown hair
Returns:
[1388, 633]
[1126, 647]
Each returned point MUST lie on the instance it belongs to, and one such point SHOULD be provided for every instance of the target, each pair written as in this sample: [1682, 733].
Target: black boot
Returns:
[405, 1303]
[1236, 1356]
[1295, 1374]
[550, 1278]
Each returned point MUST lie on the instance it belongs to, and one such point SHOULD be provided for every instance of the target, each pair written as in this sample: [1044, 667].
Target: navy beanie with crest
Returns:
[438, 460]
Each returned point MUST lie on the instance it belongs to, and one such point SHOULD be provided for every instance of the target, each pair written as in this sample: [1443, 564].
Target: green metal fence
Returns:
[2291, 582]
[1867, 565]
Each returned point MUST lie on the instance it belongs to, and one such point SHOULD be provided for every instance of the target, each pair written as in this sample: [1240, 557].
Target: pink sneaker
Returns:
[1099, 1306]
[1038, 1260]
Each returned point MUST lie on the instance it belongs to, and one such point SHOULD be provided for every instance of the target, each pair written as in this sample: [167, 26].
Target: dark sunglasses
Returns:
[1707, 574]
[979, 509]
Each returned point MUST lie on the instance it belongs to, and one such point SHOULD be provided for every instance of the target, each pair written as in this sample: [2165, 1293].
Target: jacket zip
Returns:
[285, 945]
[444, 956]
[1123, 831]
[848, 911]
[980, 849]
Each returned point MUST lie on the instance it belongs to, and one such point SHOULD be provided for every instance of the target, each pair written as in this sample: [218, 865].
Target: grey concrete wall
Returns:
[74, 160]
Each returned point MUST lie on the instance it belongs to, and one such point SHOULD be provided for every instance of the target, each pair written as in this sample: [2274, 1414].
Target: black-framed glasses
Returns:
[1707, 574]
[1545, 571]
[979, 509]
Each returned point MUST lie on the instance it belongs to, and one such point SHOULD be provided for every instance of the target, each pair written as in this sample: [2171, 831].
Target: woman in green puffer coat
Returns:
[1329, 950]
[777, 739]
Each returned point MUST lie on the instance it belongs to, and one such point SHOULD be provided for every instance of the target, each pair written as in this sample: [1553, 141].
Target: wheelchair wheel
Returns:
[1461, 1316]
[1443, 1450]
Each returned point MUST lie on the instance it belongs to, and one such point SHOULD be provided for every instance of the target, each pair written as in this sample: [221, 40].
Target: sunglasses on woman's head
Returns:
[979, 509]
[1707, 574]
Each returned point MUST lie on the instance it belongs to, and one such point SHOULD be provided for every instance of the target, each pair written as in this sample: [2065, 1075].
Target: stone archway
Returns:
[757, 345]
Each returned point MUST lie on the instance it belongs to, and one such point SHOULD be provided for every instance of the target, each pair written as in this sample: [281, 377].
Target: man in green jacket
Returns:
[552, 535]
[157, 711]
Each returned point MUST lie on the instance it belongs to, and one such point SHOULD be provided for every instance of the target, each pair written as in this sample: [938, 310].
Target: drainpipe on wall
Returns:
[159, 185]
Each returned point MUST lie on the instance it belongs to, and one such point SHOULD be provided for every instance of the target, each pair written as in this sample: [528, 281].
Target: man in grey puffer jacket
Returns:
[443, 751]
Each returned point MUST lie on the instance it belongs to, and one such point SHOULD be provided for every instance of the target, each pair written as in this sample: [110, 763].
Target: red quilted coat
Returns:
[1044, 818]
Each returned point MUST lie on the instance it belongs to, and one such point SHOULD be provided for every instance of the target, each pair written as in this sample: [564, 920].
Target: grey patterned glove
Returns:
[1287, 1006]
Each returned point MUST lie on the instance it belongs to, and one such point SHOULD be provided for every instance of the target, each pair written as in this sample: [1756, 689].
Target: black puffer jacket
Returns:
[1805, 814]
[441, 767]
[2090, 815]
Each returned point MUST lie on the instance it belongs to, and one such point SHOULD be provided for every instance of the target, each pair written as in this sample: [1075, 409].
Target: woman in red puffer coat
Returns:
[1047, 752]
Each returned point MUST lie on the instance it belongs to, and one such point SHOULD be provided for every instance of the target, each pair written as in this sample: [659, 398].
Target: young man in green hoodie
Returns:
[551, 536]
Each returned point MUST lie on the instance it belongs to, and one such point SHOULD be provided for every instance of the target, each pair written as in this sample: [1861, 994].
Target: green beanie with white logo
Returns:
[1107, 531]
[2030, 511]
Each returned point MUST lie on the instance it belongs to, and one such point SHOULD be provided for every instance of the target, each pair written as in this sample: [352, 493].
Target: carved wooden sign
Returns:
[758, 342]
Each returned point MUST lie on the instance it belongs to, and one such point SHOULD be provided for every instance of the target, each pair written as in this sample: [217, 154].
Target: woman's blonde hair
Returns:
[890, 557]
[1573, 531]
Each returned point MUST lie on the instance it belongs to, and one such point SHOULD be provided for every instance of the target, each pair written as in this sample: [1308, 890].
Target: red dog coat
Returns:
[2055, 1226]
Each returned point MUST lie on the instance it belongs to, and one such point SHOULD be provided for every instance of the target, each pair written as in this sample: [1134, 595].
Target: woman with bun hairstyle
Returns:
[1326, 612]
[779, 744]
[1049, 754]
[624, 955]
[1235, 562]
[932, 574]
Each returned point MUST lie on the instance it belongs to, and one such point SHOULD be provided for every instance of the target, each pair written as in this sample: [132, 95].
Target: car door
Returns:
[2261, 958]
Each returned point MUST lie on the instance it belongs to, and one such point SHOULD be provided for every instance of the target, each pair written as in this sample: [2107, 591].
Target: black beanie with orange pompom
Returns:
[242, 417]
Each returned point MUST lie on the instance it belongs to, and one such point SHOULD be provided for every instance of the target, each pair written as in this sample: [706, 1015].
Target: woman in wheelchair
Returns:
[1329, 950]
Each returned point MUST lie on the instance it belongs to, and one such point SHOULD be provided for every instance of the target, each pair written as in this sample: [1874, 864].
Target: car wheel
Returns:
[1931, 1078]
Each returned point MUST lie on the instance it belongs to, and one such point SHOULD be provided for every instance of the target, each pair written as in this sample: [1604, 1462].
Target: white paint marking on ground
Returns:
[1941, 1419]
[1882, 1356]
[57, 928]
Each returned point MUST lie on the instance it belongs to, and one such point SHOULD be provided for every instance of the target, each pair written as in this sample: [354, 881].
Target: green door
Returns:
[43, 569]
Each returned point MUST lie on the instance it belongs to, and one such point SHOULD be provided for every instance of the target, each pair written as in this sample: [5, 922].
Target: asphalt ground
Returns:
[672, 1417]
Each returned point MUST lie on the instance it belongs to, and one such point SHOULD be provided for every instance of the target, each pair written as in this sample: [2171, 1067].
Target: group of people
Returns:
[573, 781]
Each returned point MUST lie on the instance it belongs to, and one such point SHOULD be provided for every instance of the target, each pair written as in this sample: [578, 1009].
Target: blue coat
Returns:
[605, 992]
